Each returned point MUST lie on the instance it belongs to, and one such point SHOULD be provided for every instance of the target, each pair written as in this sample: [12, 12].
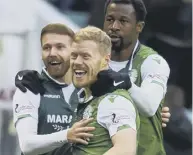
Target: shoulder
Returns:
[24, 98]
[145, 51]
[156, 58]
[116, 111]
[155, 63]
[112, 101]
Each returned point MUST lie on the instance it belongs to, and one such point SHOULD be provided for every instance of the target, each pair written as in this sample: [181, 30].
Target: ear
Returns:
[140, 26]
[105, 61]
[107, 58]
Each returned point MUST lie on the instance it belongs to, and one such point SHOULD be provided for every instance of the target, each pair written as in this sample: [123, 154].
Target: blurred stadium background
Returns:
[168, 30]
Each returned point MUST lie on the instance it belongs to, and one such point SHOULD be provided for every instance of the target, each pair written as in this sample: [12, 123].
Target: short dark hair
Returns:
[138, 5]
[57, 28]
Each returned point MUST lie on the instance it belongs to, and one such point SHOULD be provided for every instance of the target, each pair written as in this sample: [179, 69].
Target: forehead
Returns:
[85, 45]
[52, 38]
[126, 10]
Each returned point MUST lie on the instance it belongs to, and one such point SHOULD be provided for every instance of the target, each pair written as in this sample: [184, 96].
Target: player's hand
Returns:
[165, 116]
[109, 81]
[29, 79]
[79, 132]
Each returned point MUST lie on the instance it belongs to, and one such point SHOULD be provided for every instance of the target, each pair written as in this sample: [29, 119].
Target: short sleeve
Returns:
[25, 105]
[116, 113]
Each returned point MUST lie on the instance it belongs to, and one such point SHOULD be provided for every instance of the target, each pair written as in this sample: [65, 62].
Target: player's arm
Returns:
[118, 116]
[155, 73]
[25, 111]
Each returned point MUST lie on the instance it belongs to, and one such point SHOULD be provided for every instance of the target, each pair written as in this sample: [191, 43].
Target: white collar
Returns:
[133, 53]
[132, 56]
[82, 96]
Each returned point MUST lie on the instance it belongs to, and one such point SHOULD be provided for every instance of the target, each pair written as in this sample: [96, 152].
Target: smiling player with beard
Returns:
[116, 120]
[42, 121]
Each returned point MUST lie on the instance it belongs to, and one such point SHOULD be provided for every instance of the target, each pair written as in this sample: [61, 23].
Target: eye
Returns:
[73, 56]
[60, 47]
[123, 21]
[86, 56]
[46, 48]
[109, 19]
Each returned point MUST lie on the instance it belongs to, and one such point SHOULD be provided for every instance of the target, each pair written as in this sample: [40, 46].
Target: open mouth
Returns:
[79, 73]
[54, 63]
[114, 38]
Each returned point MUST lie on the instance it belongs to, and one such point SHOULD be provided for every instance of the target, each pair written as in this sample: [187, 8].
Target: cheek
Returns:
[96, 66]
[44, 55]
[127, 29]
[71, 63]
[105, 27]
[65, 55]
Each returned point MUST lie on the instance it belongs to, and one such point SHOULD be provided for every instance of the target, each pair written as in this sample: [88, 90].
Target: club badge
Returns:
[87, 112]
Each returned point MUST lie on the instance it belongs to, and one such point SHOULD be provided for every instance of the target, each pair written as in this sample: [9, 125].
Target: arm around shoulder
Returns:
[154, 73]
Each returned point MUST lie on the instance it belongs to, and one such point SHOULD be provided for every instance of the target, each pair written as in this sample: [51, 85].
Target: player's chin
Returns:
[116, 47]
[79, 84]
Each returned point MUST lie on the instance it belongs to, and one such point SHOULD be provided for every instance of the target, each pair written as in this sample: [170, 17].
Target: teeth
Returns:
[79, 73]
[54, 62]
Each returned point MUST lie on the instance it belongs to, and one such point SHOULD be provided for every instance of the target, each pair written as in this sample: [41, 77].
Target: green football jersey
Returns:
[101, 142]
[151, 134]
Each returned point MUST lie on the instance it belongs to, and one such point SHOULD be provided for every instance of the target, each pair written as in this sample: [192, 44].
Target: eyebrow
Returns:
[125, 17]
[122, 16]
[56, 44]
[80, 52]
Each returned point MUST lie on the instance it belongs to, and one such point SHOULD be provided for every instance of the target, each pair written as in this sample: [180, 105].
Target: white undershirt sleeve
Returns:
[154, 73]
[116, 113]
[33, 144]
[25, 111]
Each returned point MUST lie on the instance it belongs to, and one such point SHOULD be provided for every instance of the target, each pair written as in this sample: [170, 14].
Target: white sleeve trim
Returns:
[114, 112]
[155, 73]
[33, 144]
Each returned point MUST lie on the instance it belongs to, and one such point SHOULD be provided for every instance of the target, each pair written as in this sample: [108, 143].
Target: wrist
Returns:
[62, 136]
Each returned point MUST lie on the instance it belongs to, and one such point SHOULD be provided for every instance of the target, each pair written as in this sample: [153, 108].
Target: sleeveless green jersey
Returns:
[151, 134]
[101, 142]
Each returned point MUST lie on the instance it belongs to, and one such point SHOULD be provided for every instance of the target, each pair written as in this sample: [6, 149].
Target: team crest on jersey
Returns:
[133, 75]
[87, 112]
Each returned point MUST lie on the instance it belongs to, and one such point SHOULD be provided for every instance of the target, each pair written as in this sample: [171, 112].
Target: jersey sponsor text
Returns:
[51, 96]
[59, 119]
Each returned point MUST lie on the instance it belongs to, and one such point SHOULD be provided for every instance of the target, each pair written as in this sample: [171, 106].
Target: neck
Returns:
[67, 78]
[124, 54]
[61, 80]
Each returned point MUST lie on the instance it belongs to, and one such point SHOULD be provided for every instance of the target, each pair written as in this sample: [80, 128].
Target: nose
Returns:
[78, 61]
[53, 51]
[115, 26]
